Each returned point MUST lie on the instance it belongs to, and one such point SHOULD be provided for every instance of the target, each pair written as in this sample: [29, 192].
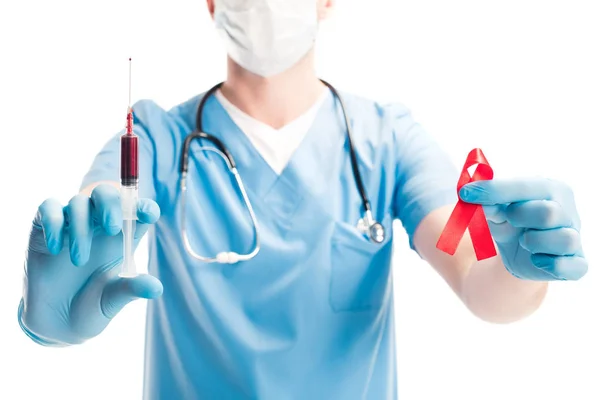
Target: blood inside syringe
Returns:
[129, 154]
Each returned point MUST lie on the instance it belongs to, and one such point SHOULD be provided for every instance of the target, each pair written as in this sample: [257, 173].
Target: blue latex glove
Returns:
[535, 224]
[71, 286]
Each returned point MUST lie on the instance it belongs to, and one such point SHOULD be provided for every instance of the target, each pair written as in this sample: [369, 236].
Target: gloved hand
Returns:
[71, 288]
[535, 225]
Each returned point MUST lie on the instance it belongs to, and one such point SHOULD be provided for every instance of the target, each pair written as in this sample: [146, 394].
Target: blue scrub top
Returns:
[311, 316]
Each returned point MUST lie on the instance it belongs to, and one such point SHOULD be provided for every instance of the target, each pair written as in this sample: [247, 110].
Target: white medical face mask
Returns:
[267, 37]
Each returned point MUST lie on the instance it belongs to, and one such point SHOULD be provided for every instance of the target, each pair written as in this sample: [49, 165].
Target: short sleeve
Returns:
[106, 164]
[426, 177]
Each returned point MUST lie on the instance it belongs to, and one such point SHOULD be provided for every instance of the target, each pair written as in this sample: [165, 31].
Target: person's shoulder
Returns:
[375, 108]
[161, 122]
[185, 112]
[380, 121]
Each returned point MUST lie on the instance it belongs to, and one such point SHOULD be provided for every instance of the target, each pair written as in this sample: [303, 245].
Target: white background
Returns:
[518, 78]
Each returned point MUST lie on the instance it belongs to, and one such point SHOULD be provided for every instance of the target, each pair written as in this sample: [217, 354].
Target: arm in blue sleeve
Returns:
[425, 175]
[106, 164]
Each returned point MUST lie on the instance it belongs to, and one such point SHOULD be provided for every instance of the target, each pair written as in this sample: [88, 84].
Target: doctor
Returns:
[311, 316]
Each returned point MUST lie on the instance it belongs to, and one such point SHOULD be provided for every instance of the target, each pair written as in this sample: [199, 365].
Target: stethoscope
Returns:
[367, 225]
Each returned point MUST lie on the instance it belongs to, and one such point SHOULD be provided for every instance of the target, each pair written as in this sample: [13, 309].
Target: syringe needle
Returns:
[129, 126]
[129, 82]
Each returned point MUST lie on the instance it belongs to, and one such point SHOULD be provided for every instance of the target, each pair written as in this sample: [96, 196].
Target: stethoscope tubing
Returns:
[369, 225]
[200, 134]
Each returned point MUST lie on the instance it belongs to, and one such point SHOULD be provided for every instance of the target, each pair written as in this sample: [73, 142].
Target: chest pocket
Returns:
[360, 269]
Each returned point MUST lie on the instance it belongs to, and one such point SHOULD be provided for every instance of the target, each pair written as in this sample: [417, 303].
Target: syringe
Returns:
[129, 189]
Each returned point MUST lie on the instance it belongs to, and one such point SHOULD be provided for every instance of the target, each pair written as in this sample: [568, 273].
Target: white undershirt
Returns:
[276, 146]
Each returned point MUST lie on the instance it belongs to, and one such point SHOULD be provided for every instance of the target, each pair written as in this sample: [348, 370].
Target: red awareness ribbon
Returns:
[469, 216]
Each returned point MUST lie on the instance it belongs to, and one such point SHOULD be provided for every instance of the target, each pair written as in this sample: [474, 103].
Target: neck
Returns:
[275, 100]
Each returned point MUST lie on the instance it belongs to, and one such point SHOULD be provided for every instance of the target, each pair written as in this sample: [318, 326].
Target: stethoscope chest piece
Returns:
[371, 228]
[377, 233]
